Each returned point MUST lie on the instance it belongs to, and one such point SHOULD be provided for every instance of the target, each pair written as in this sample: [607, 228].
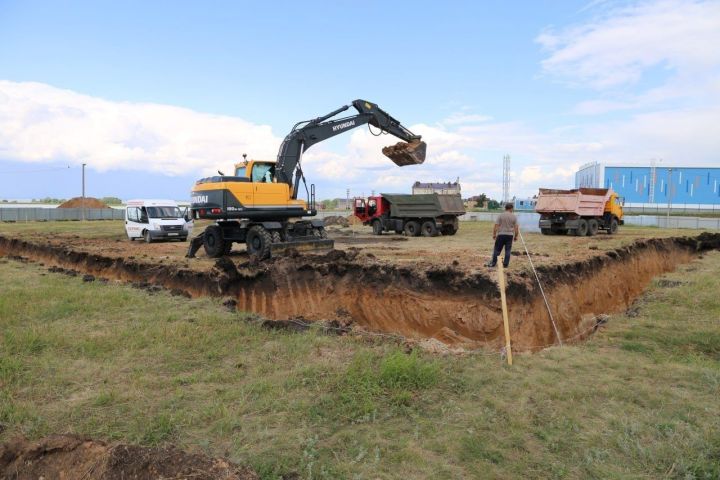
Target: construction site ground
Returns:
[134, 373]
[470, 248]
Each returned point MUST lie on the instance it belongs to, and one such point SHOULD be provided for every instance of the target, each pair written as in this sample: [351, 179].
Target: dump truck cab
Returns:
[614, 207]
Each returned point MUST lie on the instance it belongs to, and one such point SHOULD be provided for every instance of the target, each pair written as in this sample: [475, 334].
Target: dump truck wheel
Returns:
[227, 248]
[377, 227]
[429, 229]
[582, 228]
[593, 227]
[147, 237]
[275, 236]
[546, 231]
[258, 242]
[449, 229]
[613, 227]
[412, 228]
[213, 241]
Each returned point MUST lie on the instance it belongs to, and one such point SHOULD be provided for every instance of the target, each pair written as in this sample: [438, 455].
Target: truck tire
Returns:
[412, 228]
[592, 227]
[546, 231]
[429, 229]
[147, 237]
[582, 228]
[449, 229]
[258, 242]
[613, 227]
[213, 241]
[377, 227]
[227, 248]
[275, 236]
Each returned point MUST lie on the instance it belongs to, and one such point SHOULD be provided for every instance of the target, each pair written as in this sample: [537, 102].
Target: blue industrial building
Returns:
[653, 185]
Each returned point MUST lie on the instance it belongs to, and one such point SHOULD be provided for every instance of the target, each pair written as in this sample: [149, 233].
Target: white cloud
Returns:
[616, 48]
[41, 123]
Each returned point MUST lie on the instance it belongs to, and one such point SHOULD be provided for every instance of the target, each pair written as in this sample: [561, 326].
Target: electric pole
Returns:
[83, 191]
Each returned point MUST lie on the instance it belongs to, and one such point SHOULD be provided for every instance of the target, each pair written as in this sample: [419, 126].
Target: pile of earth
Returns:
[79, 202]
[336, 220]
[72, 456]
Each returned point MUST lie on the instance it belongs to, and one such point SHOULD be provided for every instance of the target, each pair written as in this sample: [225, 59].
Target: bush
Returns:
[399, 370]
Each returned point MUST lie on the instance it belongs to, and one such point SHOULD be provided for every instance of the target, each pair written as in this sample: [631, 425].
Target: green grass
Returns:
[639, 400]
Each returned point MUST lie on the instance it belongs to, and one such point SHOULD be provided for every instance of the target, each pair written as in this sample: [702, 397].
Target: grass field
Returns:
[638, 400]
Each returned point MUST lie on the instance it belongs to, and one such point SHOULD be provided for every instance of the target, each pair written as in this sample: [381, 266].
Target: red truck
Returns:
[427, 214]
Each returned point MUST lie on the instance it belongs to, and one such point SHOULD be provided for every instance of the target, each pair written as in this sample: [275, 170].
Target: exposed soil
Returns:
[79, 202]
[75, 457]
[455, 305]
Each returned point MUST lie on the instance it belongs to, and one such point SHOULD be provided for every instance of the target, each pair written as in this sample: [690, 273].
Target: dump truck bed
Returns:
[429, 205]
[585, 202]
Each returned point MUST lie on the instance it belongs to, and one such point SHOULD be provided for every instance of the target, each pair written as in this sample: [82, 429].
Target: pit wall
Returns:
[447, 304]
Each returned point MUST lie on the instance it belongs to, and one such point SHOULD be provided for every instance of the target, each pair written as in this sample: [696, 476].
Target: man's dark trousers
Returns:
[502, 241]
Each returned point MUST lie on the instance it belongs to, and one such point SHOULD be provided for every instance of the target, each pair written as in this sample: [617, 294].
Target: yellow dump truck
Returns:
[583, 211]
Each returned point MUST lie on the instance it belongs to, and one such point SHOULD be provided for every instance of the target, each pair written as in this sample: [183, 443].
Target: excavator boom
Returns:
[411, 151]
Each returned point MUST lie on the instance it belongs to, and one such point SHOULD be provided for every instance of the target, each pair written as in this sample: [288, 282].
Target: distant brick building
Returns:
[448, 188]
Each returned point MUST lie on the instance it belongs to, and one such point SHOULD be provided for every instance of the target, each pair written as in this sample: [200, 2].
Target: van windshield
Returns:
[164, 212]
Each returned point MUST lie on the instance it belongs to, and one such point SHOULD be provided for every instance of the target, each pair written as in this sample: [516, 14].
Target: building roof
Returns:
[436, 185]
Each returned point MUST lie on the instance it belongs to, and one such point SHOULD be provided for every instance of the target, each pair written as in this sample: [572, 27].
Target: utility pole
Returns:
[83, 191]
[347, 199]
[506, 178]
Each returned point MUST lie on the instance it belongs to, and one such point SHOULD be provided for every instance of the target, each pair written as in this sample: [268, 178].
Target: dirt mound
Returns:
[337, 220]
[71, 456]
[78, 202]
[353, 220]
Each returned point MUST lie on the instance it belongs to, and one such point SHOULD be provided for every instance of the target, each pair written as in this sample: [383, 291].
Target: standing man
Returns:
[505, 231]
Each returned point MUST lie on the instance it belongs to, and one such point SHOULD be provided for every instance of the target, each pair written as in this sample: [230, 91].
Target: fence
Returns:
[56, 214]
[675, 209]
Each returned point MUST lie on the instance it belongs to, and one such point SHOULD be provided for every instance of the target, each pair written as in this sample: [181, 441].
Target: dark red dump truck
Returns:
[427, 214]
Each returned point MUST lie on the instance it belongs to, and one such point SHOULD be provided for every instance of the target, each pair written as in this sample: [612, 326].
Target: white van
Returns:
[155, 219]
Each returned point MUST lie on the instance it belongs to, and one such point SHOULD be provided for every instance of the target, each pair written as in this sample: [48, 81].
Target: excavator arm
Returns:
[308, 133]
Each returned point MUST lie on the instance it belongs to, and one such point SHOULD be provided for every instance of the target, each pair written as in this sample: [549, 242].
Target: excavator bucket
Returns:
[403, 154]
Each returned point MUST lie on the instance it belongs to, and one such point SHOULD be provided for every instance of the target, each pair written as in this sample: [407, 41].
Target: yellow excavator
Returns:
[257, 204]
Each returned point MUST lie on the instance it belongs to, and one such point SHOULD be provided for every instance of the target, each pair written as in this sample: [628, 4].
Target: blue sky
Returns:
[153, 95]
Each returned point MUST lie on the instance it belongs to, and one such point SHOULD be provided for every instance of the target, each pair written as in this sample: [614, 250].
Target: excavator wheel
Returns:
[429, 229]
[412, 228]
[258, 242]
[213, 241]
[319, 232]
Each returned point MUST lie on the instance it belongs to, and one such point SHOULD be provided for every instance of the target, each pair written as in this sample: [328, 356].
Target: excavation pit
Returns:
[457, 306]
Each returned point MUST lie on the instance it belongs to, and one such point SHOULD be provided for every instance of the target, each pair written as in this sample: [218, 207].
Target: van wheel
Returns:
[258, 242]
[147, 237]
[429, 229]
[213, 241]
[412, 228]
